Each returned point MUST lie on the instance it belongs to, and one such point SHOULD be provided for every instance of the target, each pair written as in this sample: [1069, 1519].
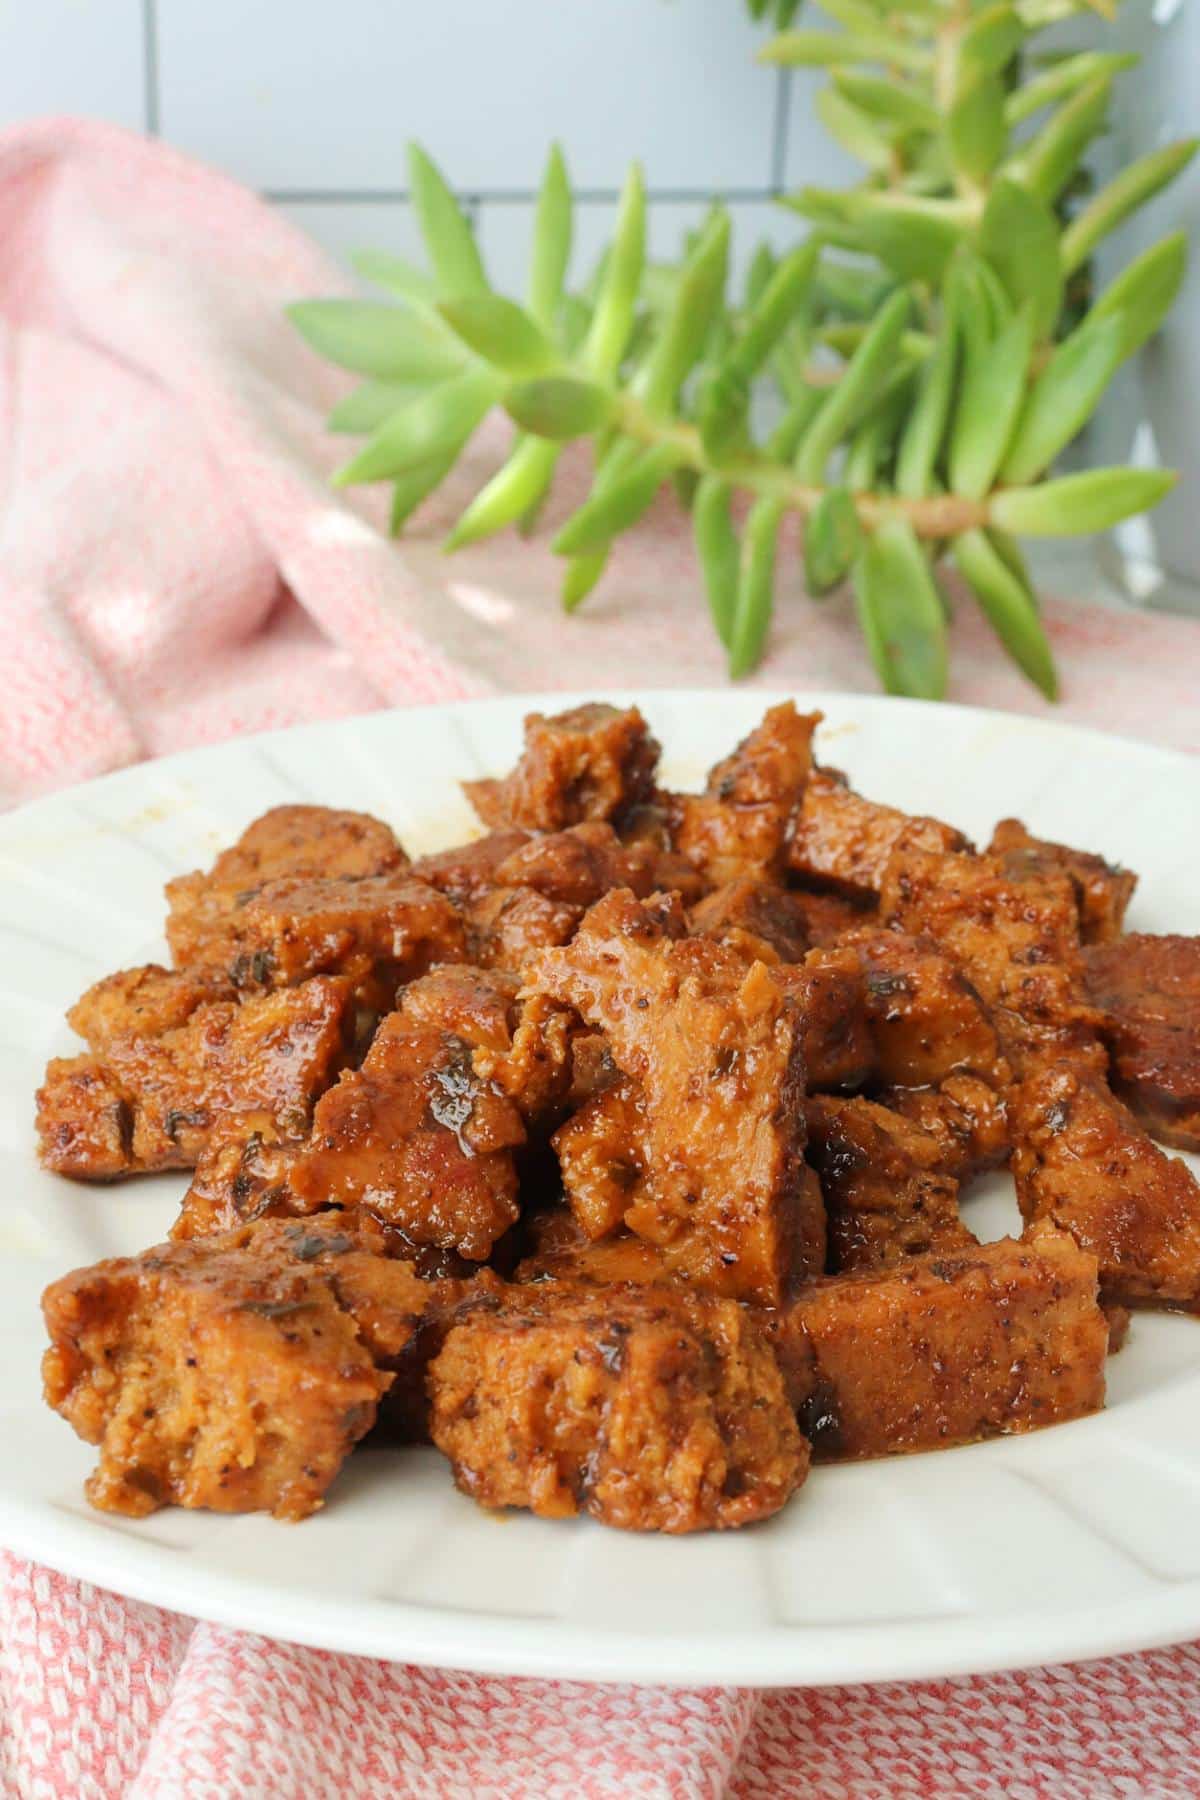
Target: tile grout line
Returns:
[779, 133]
[150, 71]
[508, 196]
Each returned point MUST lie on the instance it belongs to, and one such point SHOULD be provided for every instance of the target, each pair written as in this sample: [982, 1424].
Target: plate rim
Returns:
[775, 1654]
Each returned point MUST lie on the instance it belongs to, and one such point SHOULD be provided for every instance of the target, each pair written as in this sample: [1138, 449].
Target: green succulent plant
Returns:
[924, 345]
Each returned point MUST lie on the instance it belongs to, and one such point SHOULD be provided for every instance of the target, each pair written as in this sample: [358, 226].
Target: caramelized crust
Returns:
[418, 1139]
[844, 841]
[887, 1194]
[1102, 889]
[144, 1002]
[945, 1349]
[506, 927]
[523, 1047]
[467, 871]
[241, 1175]
[591, 762]
[1148, 992]
[828, 997]
[1083, 1163]
[925, 1019]
[1016, 940]
[757, 918]
[714, 1050]
[580, 865]
[652, 1410]
[602, 1157]
[827, 917]
[740, 824]
[378, 932]
[300, 841]
[154, 1102]
[966, 1116]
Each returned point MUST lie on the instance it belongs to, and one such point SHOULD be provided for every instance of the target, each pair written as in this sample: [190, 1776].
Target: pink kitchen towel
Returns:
[174, 569]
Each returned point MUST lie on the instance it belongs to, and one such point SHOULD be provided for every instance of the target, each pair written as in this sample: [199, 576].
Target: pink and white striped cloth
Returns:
[174, 569]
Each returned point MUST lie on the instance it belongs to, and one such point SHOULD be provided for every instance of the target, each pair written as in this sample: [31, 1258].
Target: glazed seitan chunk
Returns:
[1148, 992]
[466, 871]
[966, 1116]
[1103, 890]
[714, 1049]
[827, 994]
[759, 919]
[602, 1158]
[945, 1349]
[650, 1410]
[419, 1140]
[297, 841]
[844, 842]
[240, 1176]
[144, 1002]
[590, 762]
[741, 822]
[223, 1374]
[237, 1373]
[1083, 1163]
[887, 1195]
[828, 917]
[506, 927]
[378, 932]
[925, 1019]
[154, 1102]
[581, 864]
[1017, 941]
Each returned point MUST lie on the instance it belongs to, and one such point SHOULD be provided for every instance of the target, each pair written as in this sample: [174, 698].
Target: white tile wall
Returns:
[72, 56]
[302, 94]
[313, 103]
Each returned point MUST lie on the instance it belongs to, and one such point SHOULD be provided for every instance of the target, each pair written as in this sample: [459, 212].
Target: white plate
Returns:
[1074, 1542]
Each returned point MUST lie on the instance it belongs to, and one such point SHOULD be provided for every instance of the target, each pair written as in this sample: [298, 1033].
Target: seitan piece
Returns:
[506, 927]
[379, 932]
[925, 1019]
[827, 992]
[1103, 890]
[154, 1102]
[203, 924]
[945, 1349]
[966, 1116]
[714, 1049]
[757, 918]
[602, 1157]
[1017, 941]
[417, 1138]
[467, 871]
[649, 1409]
[590, 762]
[844, 842]
[1083, 1162]
[1148, 992]
[741, 823]
[887, 1195]
[222, 1374]
[581, 864]
[144, 1002]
